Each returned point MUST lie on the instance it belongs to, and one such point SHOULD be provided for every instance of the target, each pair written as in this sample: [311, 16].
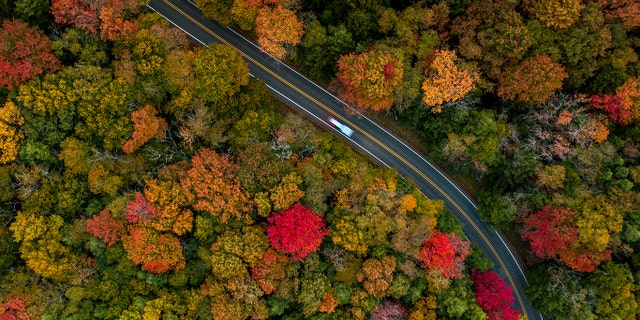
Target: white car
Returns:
[344, 129]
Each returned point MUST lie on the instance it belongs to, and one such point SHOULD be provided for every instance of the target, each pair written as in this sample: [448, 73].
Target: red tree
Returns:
[106, 228]
[104, 16]
[550, 231]
[445, 252]
[24, 54]
[139, 209]
[296, 231]
[389, 310]
[14, 309]
[616, 109]
[494, 296]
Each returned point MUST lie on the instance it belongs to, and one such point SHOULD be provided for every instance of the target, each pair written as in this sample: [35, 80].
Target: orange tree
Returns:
[277, 26]
[445, 82]
[533, 80]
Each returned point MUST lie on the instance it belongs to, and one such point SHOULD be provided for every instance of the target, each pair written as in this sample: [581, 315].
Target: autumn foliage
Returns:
[139, 210]
[106, 228]
[494, 296]
[622, 108]
[10, 134]
[445, 81]
[533, 80]
[370, 78]
[270, 270]
[169, 205]
[14, 309]
[552, 233]
[24, 53]
[556, 13]
[445, 252]
[389, 310]
[156, 252]
[146, 126]
[210, 183]
[376, 275]
[107, 18]
[276, 27]
[296, 231]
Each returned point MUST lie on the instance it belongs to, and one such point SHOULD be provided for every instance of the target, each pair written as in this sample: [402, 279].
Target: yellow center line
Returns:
[407, 163]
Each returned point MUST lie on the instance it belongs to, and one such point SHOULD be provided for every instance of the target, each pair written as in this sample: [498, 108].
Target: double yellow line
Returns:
[407, 163]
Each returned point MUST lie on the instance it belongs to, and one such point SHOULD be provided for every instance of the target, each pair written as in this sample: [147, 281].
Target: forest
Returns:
[145, 177]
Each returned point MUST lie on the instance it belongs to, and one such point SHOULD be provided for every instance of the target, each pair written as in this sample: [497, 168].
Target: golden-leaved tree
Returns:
[10, 134]
[445, 81]
[557, 14]
[277, 26]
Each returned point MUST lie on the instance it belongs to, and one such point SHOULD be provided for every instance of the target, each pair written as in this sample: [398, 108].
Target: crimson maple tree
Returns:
[550, 231]
[494, 296]
[24, 53]
[613, 105]
[624, 107]
[445, 252]
[139, 209]
[106, 228]
[296, 231]
[14, 309]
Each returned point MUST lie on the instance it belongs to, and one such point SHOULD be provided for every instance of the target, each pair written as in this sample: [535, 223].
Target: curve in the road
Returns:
[329, 110]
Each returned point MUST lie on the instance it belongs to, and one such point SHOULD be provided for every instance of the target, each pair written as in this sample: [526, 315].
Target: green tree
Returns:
[560, 292]
[614, 293]
[459, 302]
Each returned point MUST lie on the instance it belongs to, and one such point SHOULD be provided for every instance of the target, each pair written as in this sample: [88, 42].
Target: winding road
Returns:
[369, 137]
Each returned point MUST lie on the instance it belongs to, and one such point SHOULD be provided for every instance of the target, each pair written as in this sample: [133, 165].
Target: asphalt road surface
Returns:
[373, 140]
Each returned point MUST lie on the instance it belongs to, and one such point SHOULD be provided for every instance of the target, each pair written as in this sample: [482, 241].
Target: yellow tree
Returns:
[370, 78]
[557, 14]
[445, 81]
[287, 192]
[10, 134]
[41, 245]
[277, 26]
[170, 202]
